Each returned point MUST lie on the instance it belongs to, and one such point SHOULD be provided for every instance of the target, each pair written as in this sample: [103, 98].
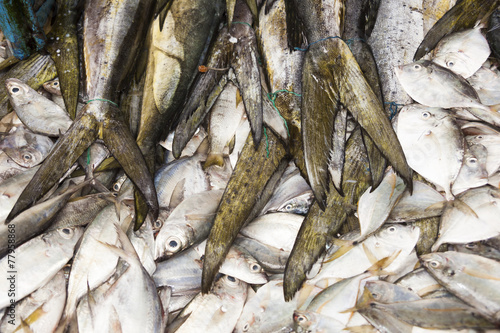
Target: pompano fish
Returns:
[310, 321]
[29, 149]
[435, 86]
[267, 311]
[8, 167]
[54, 88]
[188, 223]
[38, 113]
[473, 171]
[271, 259]
[421, 282]
[43, 256]
[490, 142]
[422, 203]
[486, 82]
[143, 241]
[374, 206]
[480, 248]
[462, 52]
[216, 312]
[433, 144]
[478, 223]
[470, 277]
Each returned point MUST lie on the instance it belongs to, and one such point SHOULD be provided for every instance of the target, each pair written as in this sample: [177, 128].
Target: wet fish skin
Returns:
[8, 167]
[11, 189]
[46, 255]
[237, 202]
[480, 248]
[38, 113]
[470, 277]
[454, 20]
[271, 259]
[29, 149]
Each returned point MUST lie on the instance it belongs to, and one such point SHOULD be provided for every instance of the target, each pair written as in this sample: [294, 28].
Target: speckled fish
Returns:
[422, 203]
[462, 52]
[472, 278]
[44, 256]
[267, 311]
[29, 149]
[435, 86]
[486, 82]
[107, 67]
[454, 20]
[374, 206]
[278, 230]
[216, 312]
[433, 144]
[459, 226]
[225, 117]
[188, 223]
[41, 310]
[38, 113]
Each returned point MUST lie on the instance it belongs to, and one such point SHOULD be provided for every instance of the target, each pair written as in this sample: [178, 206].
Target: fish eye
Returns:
[173, 244]
[246, 327]
[15, 90]
[301, 318]
[27, 157]
[157, 225]
[392, 229]
[417, 67]
[255, 267]
[116, 187]
[230, 278]
[66, 233]
[470, 245]
[479, 137]
[472, 160]
[375, 295]
[56, 83]
[289, 207]
[435, 264]
[425, 114]
[450, 63]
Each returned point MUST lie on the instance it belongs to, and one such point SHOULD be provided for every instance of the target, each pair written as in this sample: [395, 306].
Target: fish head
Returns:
[437, 263]
[411, 74]
[244, 267]
[303, 321]
[398, 233]
[53, 87]
[228, 284]
[246, 320]
[18, 90]
[455, 62]
[27, 157]
[171, 239]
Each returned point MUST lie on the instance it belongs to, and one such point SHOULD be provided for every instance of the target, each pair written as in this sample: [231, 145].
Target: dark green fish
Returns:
[63, 48]
[464, 15]
[252, 172]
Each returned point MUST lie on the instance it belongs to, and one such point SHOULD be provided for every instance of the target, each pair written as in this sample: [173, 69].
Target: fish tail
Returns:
[214, 159]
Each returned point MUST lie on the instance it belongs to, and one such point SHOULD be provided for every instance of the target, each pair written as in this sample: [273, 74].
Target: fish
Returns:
[45, 254]
[54, 88]
[431, 141]
[271, 259]
[470, 277]
[189, 223]
[41, 310]
[8, 167]
[225, 117]
[473, 171]
[454, 20]
[310, 321]
[11, 189]
[217, 311]
[63, 48]
[486, 82]
[480, 248]
[427, 83]
[478, 223]
[29, 149]
[462, 52]
[101, 118]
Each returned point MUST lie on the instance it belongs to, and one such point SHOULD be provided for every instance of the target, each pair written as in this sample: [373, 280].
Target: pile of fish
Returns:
[250, 166]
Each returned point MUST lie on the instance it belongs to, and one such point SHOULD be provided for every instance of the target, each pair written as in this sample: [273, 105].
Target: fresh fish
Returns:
[43, 256]
[238, 200]
[225, 117]
[489, 141]
[35, 70]
[310, 321]
[271, 259]
[385, 292]
[392, 240]
[63, 48]
[91, 264]
[191, 146]
[423, 202]
[473, 171]
[476, 223]
[462, 52]
[217, 311]
[9, 122]
[106, 70]
[421, 282]
[278, 230]
[38, 113]
[435, 86]
[11, 188]
[41, 310]
[8, 167]
[267, 311]
[180, 179]
[29, 149]
[480, 248]
[433, 144]
[143, 241]
[397, 32]
[486, 82]
[374, 206]
[470, 277]
[54, 88]
[454, 20]
[188, 223]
